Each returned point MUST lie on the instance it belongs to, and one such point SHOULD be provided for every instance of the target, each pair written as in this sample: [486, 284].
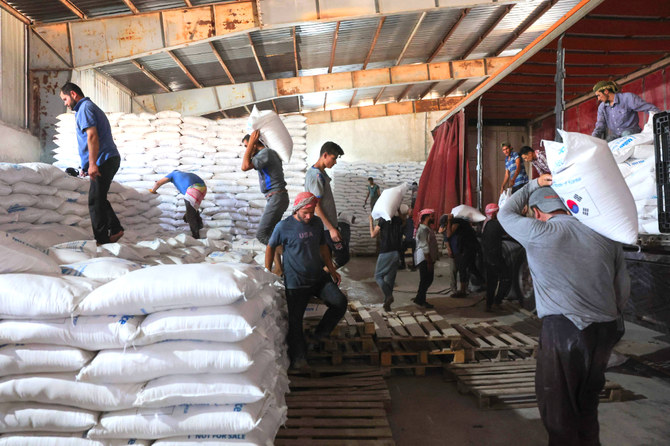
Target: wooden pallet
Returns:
[417, 328]
[509, 385]
[485, 341]
[344, 409]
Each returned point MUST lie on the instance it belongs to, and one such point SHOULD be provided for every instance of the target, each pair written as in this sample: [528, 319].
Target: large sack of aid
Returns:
[22, 257]
[34, 296]
[215, 388]
[166, 287]
[40, 358]
[180, 420]
[229, 323]
[388, 202]
[468, 212]
[87, 332]
[36, 417]
[171, 358]
[624, 147]
[64, 439]
[62, 388]
[100, 268]
[587, 179]
[273, 132]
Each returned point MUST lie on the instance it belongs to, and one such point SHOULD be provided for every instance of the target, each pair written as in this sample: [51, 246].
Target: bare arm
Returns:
[374, 230]
[249, 152]
[325, 256]
[269, 256]
[158, 184]
[93, 143]
[334, 233]
[366, 198]
[504, 183]
[517, 171]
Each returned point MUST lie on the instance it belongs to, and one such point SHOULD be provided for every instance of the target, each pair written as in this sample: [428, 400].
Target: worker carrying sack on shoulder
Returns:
[587, 179]
[274, 133]
[388, 202]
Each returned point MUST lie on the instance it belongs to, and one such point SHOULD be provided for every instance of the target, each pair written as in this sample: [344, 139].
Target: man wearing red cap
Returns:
[305, 253]
[492, 235]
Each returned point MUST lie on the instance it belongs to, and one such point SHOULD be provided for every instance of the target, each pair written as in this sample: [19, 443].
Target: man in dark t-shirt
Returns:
[305, 253]
[390, 235]
[492, 235]
[463, 245]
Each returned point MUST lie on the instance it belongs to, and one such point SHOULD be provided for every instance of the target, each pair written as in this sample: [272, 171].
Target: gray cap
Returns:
[547, 200]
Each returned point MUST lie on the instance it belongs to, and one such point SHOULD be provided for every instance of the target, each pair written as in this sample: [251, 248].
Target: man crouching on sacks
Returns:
[305, 253]
[581, 287]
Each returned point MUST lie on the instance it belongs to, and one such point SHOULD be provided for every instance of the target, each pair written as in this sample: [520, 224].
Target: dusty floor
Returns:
[428, 410]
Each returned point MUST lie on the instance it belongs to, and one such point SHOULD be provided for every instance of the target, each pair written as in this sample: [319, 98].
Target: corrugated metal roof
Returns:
[203, 65]
[96, 8]
[392, 39]
[353, 43]
[314, 44]
[433, 28]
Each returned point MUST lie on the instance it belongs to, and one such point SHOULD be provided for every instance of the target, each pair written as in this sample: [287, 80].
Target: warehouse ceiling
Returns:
[338, 61]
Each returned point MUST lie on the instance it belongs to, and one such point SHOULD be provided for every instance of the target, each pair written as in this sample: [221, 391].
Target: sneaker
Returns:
[427, 305]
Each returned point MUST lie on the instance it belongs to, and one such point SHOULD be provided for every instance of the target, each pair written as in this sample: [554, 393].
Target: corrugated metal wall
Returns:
[13, 65]
[105, 93]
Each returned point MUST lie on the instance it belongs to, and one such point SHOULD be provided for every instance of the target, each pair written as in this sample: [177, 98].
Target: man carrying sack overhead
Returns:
[303, 239]
[617, 112]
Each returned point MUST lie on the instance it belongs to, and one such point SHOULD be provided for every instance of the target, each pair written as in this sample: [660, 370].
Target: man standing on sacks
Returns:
[305, 253]
[581, 287]
[100, 159]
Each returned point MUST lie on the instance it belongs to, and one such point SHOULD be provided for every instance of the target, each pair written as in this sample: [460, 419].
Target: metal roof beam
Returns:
[367, 57]
[131, 6]
[333, 48]
[13, 11]
[504, 11]
[72, 7]
[295, 53]
[184, 69]
[258, 62]
[449, 33]
[380, 110]
[223, 64]
[98, 42]
[411, 36]
[151, 76]
[207, 100]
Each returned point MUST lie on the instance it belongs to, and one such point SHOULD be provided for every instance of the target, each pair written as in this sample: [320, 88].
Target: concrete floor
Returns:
[429, 411]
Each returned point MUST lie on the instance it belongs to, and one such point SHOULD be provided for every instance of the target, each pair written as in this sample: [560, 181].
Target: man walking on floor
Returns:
[581, 287]
[494, 264]
[305, 254]
[390, 233]
[317, 182]
[100, 159]
[425, 256]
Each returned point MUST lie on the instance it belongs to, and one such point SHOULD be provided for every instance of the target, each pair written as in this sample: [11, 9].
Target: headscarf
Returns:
[490, 209]
[304, 199]
[421, 214]
[609, 85]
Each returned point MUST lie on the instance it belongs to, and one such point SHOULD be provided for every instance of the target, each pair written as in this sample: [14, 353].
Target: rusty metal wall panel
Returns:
[13, 68]
[274, 12]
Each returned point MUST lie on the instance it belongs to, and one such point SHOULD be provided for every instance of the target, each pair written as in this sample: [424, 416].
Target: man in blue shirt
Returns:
[193, 188]
[515, 171]
[305, 253]
[617, 112]
[99, 159]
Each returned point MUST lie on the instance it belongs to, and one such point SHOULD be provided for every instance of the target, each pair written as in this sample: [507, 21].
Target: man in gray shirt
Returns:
[318, 183]
[581, 287]
[617, 112]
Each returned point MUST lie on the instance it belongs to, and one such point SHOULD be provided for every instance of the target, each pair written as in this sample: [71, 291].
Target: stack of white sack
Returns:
[350, 181]
[152, 146]
[637, 162]
[586, 177]
[168, 351]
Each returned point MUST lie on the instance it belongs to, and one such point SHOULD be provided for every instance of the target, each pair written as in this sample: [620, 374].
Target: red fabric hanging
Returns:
[445, 178]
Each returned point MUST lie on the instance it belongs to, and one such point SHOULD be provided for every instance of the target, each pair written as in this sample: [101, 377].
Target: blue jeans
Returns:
[297, 299]
[385, 272]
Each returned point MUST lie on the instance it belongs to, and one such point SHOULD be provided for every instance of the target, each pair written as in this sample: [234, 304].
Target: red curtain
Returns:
[445, 181]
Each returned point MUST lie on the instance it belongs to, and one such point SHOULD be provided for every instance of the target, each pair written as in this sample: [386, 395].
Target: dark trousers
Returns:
[406, 244]
[495, 286]
[339, 250]
[570, 374]
[465, 264]
[426, 276]
[297, 300]
[103, 218]
[193, 219]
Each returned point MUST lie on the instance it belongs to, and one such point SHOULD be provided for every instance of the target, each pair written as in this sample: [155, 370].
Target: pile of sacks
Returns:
[152, 146]
[120, 352]
[350, 181]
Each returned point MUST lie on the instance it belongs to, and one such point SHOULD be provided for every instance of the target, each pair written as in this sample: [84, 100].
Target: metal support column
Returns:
[559, 110]
[480, 156]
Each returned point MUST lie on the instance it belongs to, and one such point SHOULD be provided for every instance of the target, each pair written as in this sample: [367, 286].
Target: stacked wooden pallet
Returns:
[508, 385]
[341, 409]
[415, 341]
[485, 341]
[350, 342]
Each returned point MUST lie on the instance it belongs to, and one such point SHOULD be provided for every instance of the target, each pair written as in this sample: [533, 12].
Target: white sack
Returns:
[167, 287]
[22, 257]
[388, 202]
[101, 268]
[273, 132]
[623, 148]
[468, 212]
[40, 358]
[171, 358]
[63, 439]
[27, 417]
[587, 179]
